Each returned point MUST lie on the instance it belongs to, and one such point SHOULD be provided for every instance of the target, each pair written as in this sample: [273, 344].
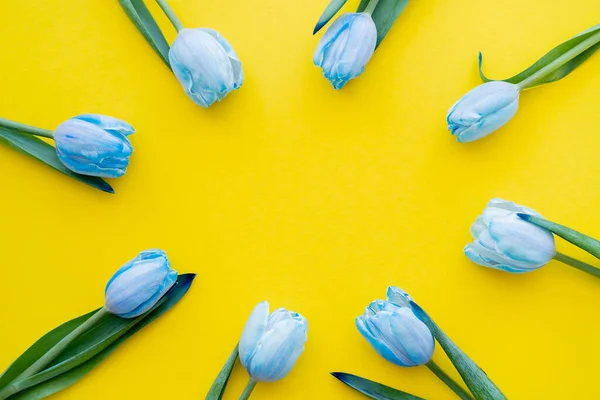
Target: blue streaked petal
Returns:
[255, 328]
[107, 123]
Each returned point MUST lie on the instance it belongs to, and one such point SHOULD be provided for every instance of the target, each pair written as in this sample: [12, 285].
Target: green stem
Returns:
[54, 352]
[462, 393]
[248, 389]
[580, 265]
[560, 61]
[371, 6]
[31, 130]
[170, 14]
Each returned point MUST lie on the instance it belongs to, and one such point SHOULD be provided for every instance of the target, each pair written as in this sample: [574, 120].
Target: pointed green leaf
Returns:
[585, 242]
[476, 379]
[40, 348]
[46, 153]
[218, 387]
[551, 56]
[146, 24]
[332, 8]
[84, 359]
[385, 14]
[373, 389]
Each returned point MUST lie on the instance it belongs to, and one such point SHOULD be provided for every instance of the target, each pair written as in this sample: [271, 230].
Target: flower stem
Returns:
[580, 265]
[560, 61]
[462, 393]
[31, 130]
[170, 14]
[248, 389]
[371, 6]
[54, 352]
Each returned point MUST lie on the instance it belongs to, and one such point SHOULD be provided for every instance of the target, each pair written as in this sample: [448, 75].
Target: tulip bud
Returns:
[271, 344]
[206, 65]
[346, 47]
[95, 145]
[138, 285]
[506, 242]
[396, 333]
[483, 110]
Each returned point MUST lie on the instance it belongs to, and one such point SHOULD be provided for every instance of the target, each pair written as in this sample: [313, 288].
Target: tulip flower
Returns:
[140, 289]
[398, 335]
[206, 65]
[138, 285]
[346, 47]
[483, 110]
[506, 242]
[271, 344]
[94, 145]
[203, 62]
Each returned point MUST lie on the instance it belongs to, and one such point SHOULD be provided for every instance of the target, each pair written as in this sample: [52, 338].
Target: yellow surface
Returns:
[313, 199]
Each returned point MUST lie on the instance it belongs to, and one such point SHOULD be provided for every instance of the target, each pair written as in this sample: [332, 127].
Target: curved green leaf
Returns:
[101, 342]
[476, 379]
[549, 57]
[585, 242]
[384, 15]
[139, 14]
[46, 153]
[373, 389]
[218, 387]
[332, 8]
[40, 348]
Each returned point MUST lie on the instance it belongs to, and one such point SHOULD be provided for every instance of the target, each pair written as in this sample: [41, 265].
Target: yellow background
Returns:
[311, 198]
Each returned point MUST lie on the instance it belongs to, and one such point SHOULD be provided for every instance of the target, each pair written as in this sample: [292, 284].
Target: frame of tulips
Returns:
[93, 147]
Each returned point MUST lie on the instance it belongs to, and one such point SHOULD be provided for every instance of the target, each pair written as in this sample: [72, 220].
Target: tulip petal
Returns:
[373, 336]
[413, 337]
[107, 123]
[398, 297]
[255, 328]
[88, 149]
[522, 241]
[236, 64]
[281, 348]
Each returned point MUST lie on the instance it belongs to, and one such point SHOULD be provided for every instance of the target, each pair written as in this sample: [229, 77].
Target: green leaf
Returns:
[218, 387]
[46, 153]
[40, 348]
[97, 337]
[385, 14]
[146, 24]
[476, 379]
[373, 389]
[551, 56]
[332, 8]
[585, 242]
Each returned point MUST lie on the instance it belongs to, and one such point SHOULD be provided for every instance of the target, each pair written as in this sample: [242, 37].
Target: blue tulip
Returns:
[271, 344]
[483, 110]
[206, 65]
[96, 145]
[138, 285]
[346, 47]
[396, 333]
[506, 242]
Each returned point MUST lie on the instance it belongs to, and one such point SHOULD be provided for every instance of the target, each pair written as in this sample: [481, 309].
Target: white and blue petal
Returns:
[107, 123]
[483, 110]
[255, 328]
[137, 286]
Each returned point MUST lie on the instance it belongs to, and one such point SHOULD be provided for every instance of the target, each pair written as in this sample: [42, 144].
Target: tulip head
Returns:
[506, 242]
[396, 333]
[96, 145]
[138, 285]
[271, 344]
[346, 47]
[483, 110]
[206, 65]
